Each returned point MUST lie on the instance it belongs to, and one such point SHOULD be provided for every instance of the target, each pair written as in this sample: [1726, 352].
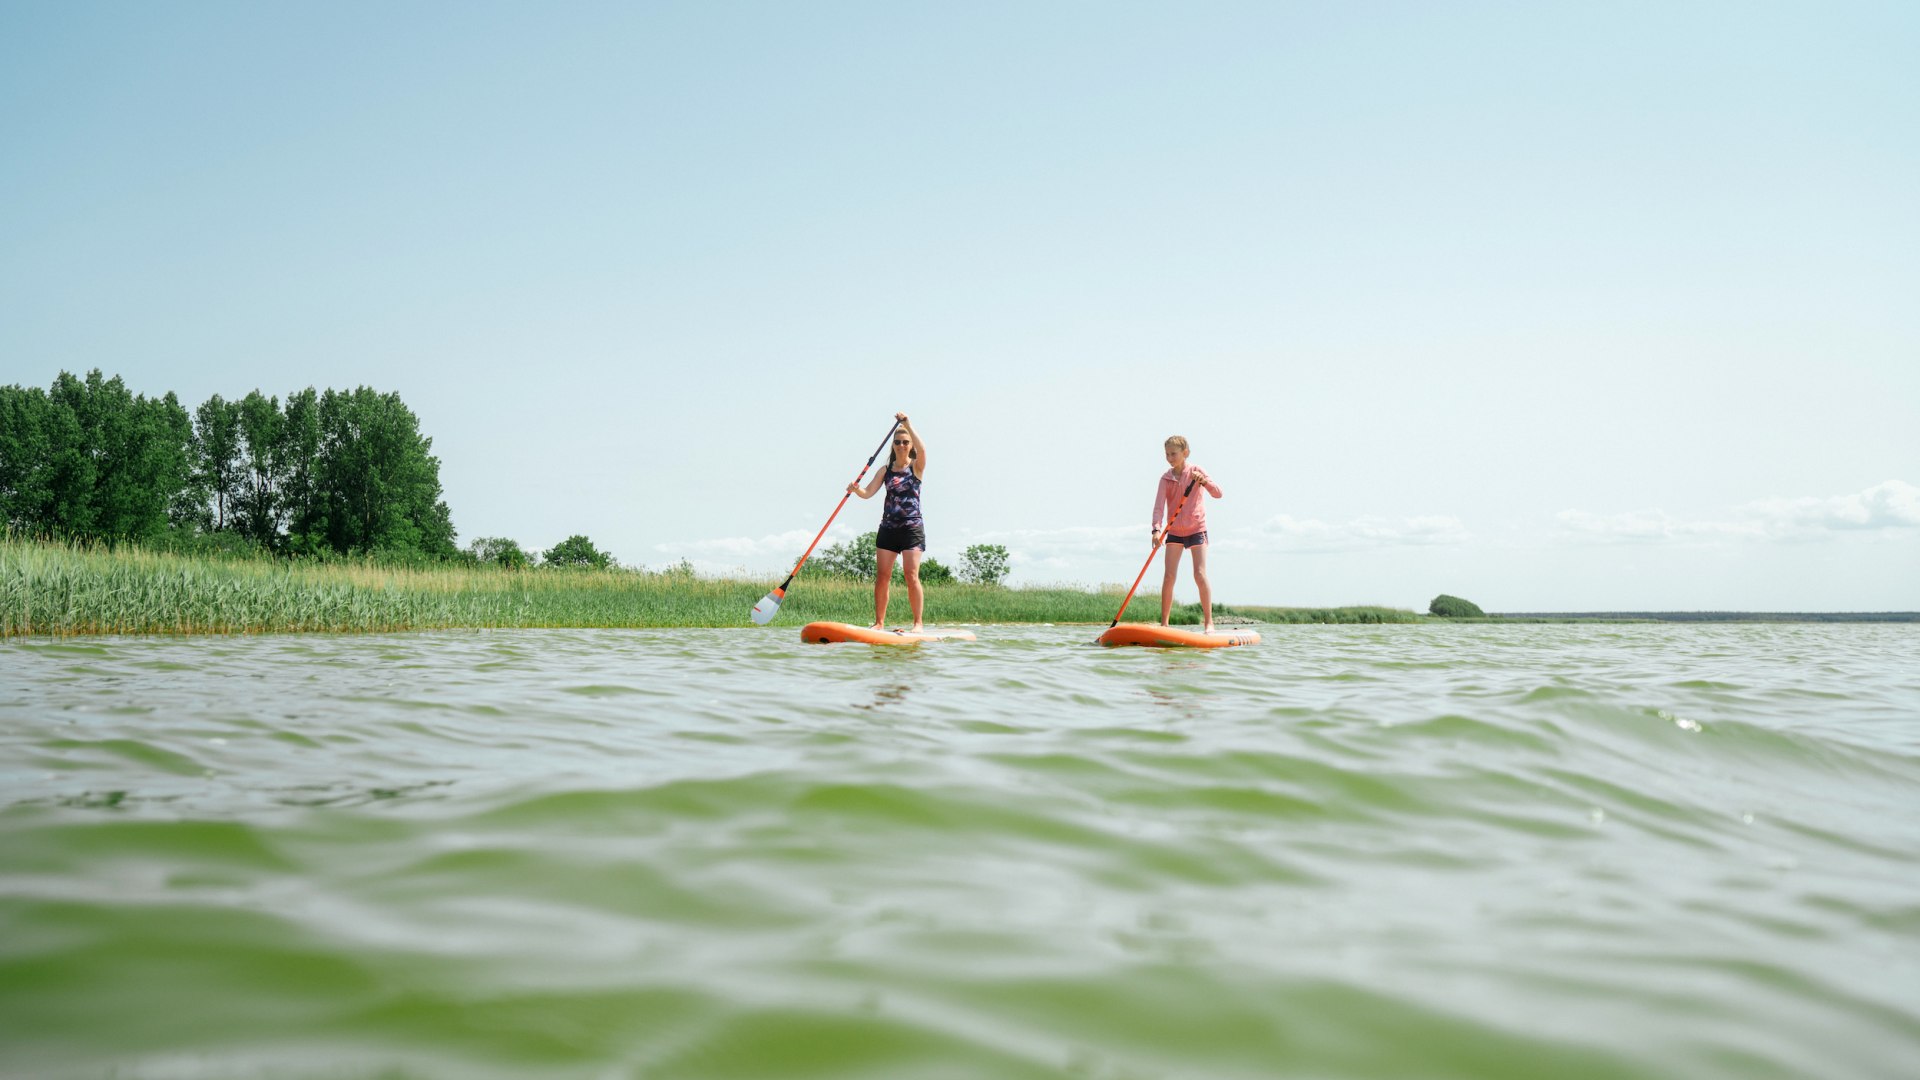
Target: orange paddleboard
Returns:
[828, 633]
[1176, 637]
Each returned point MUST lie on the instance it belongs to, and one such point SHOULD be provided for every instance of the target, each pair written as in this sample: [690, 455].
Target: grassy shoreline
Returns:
[56, 590]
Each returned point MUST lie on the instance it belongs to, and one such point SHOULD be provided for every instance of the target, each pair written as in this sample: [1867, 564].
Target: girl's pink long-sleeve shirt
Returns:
[1193, 516]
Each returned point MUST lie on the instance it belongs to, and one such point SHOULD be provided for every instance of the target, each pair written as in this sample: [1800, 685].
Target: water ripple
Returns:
[1479, 851]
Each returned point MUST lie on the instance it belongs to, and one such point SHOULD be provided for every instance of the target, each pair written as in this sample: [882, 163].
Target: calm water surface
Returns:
[1526, 851]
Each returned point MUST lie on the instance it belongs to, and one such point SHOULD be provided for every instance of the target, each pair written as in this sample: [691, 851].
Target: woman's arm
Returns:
[873, 485]
[920, 458]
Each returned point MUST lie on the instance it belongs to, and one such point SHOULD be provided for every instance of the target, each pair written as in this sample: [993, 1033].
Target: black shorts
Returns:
[1189, 540]
[898, 538]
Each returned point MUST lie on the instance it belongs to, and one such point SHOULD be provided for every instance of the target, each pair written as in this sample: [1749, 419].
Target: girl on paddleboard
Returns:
[1187, 530]
[902, 534]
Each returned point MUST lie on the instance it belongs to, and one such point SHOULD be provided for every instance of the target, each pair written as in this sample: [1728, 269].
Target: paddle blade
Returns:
[768, 607]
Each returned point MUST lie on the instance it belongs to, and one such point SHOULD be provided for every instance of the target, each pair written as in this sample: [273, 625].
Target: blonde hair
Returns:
[1176, 442]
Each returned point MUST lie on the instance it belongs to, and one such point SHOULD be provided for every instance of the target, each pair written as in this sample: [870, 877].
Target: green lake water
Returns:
[1414, 851]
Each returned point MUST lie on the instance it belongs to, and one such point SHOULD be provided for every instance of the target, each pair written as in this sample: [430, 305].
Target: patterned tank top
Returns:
[902, 508]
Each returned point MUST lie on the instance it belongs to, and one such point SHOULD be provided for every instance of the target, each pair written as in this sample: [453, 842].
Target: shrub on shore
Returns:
[1452, 607]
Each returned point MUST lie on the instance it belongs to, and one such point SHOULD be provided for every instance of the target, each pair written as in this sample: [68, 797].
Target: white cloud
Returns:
[1063, 544]
[1892, 505]
[1312, 536]
[1888, 506]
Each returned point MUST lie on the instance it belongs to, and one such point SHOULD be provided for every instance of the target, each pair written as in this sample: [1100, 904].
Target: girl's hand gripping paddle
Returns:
[769, 605]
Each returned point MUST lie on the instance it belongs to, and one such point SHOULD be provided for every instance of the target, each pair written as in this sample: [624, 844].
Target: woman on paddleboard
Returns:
[902, 534]
[1187, 531]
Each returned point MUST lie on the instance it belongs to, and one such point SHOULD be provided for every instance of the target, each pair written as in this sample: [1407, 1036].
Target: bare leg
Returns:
[1205, 586]
[881, 587]
[1167, 582]
[916, 598]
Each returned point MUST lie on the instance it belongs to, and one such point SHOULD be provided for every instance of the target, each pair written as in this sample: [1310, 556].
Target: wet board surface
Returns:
[830, 633]
[1176, 637]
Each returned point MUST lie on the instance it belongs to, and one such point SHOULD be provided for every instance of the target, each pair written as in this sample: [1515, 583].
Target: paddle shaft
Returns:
[836, 510]
[1157, 544]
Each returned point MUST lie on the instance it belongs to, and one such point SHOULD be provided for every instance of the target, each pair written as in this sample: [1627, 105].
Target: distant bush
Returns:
[577, 552]
[500, 551]
[853, 558]
[984, 564]
[858, 558]
[1452, 607]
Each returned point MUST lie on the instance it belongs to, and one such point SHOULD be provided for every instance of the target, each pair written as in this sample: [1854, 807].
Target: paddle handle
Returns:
[836, 510]
[1157, 544]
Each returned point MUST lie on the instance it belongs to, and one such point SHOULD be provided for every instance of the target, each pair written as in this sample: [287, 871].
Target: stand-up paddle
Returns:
[1157, 545]
[769, 605]
[1167, 636]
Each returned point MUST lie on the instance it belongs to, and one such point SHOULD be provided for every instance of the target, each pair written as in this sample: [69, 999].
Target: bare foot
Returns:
[917, 629]
[1207, 629]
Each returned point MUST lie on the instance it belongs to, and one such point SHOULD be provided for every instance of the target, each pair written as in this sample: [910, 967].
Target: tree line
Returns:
[333, 471]
[322, 472]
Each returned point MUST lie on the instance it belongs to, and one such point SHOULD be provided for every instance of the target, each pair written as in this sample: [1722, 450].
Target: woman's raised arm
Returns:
[919, 445]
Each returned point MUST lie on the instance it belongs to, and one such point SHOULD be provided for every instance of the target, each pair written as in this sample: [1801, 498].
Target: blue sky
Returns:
[1552, 307]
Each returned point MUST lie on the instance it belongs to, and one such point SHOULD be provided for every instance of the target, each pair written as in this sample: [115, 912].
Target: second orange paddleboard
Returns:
[1176, 637]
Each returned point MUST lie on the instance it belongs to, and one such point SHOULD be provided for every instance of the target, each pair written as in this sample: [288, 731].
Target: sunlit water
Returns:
[1525, 851]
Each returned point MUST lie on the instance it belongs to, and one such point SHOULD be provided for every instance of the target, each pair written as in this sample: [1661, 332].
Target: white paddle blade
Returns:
[767, 608]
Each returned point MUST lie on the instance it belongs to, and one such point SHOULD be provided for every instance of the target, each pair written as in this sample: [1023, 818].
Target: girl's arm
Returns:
[1159, 506]
[920, 458]
[1206, 481]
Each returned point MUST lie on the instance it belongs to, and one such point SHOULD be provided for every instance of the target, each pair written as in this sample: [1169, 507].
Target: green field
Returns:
[57, 589]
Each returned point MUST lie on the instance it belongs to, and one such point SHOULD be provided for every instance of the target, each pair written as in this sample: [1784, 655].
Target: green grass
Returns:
[56, 589]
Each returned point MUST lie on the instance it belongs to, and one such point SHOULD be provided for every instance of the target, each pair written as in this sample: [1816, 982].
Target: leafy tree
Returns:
[379, 484]
[185, 505]
[301, 500]
[216, 449]
[984, 564]
[26, 458]
[71, 463]
[113, 459]
[163, 463]
[853, 558]
[1452, 607]
[260, 509]
[858, 558]
[500, 551]
[577, 552]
